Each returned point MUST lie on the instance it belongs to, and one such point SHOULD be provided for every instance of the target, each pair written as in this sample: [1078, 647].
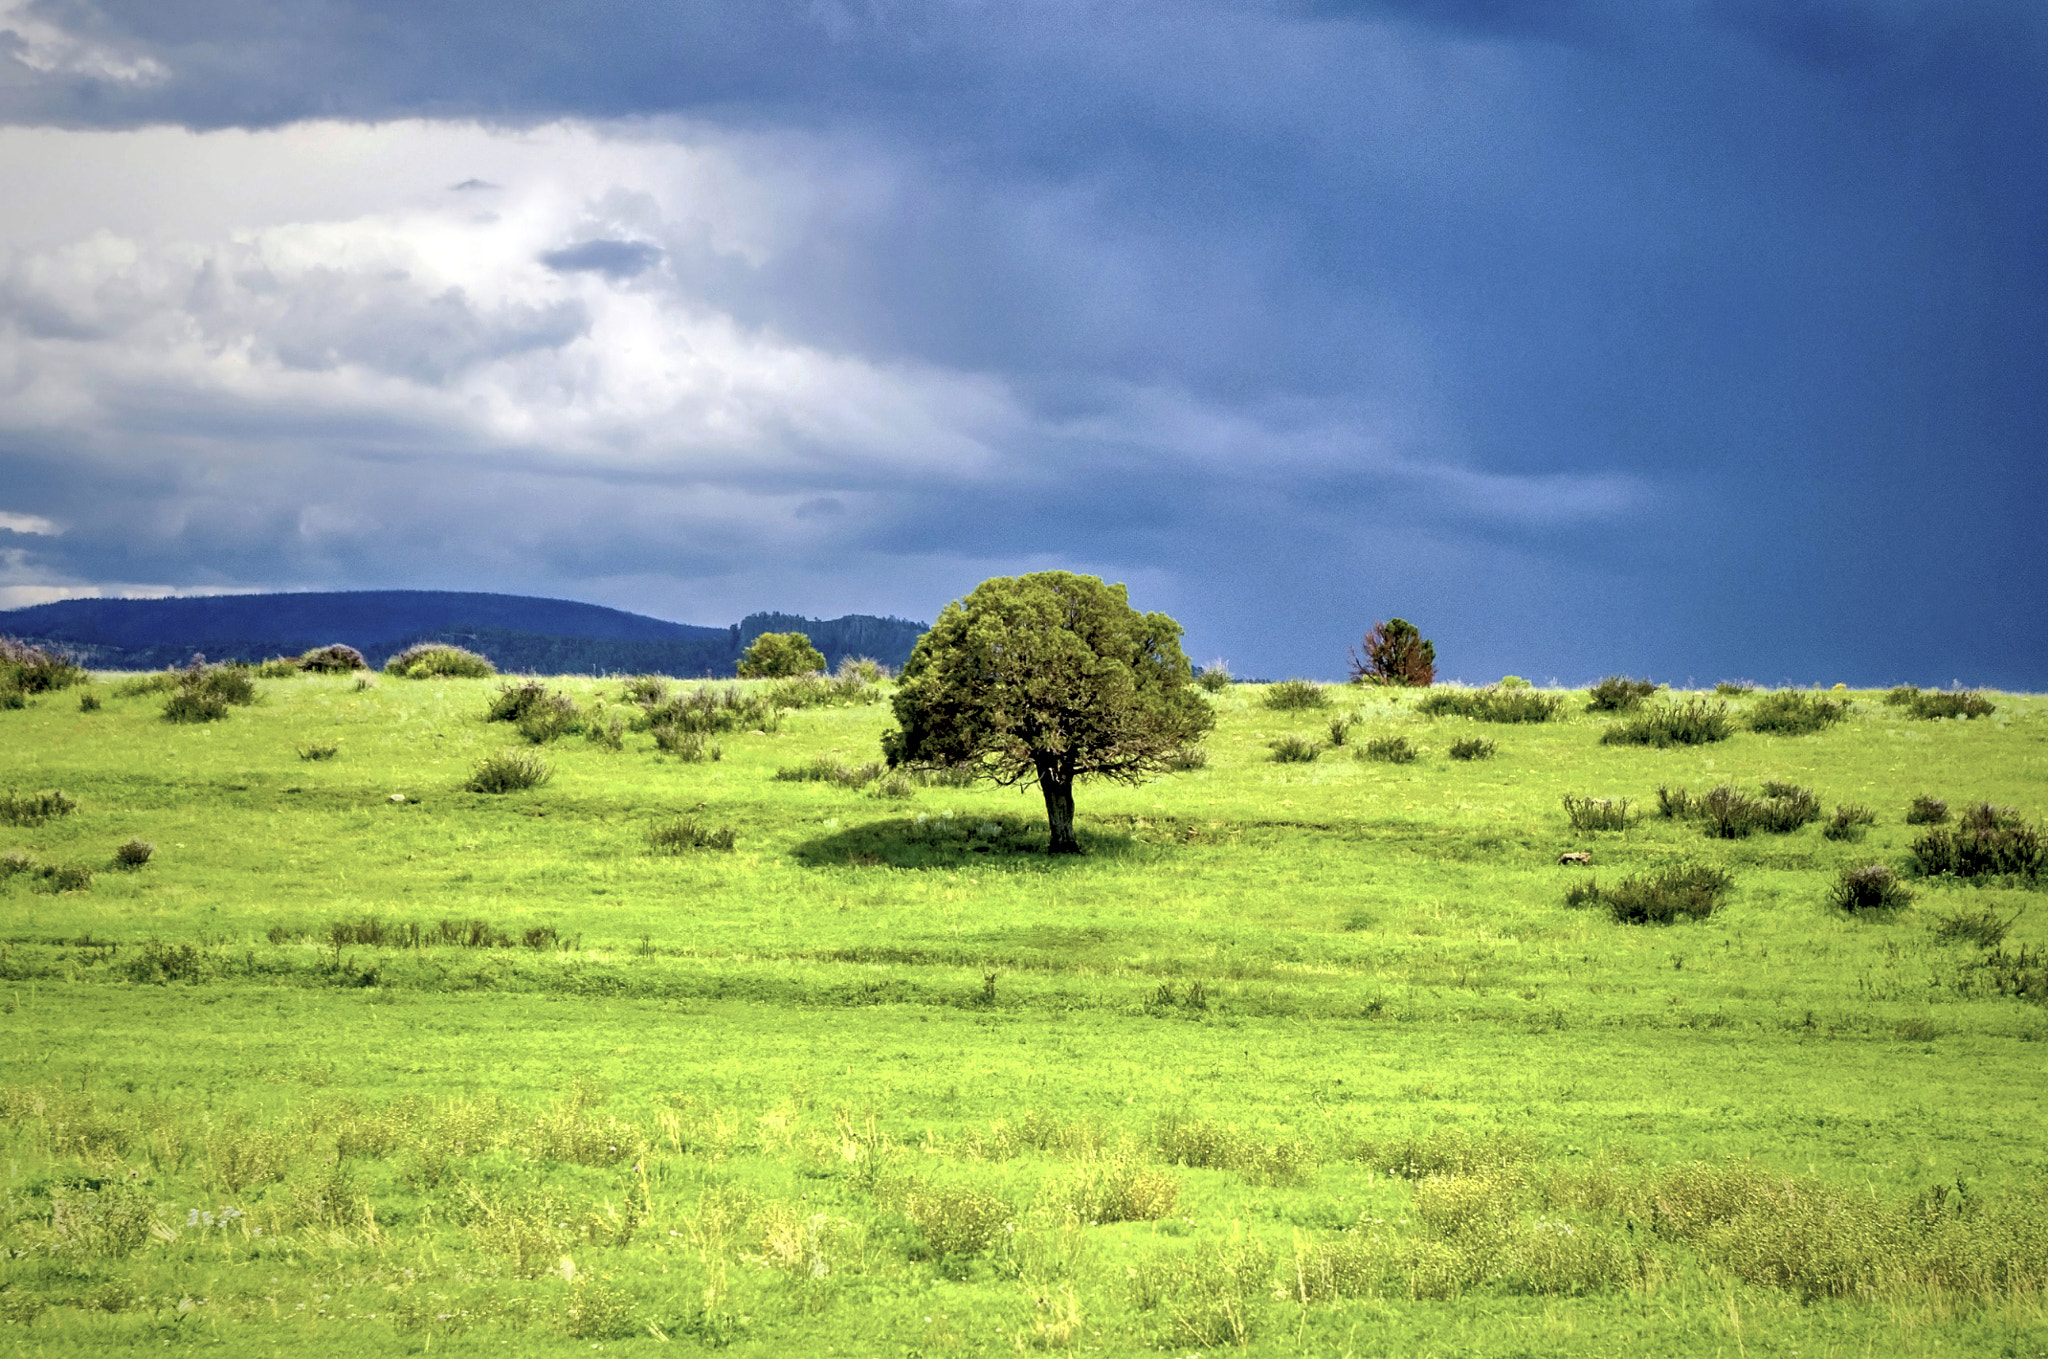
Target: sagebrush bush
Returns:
[319, 750]
[1295, 695]
[1473, 748]
[1734, 688]
[649, 691]
[1926, 811]
[88, 703]
[1390, 750]
[333, 659]
[828, 769]
[26, 669]
[1340, 728]
[1599, 813]
[1695, 891]
[508, 771]
[439, 660]
[687, 833]
[1214, 677]
[691, 747]
[514, 701]
[553, 717]
[1731, 814]
[1294, 750]
[204, 693]
[134, 853]
[1186, 760]
[845, 689]
[1981, 927]
[1619, 693]
[1872, 887]
[1849, 821]
[62, 878]
[156, 682]
[1934, 704]
[277, 667]
[956, 1220]
[1696, 721]
[713, 709]
[33, 809]
[1988, 841]
[1492, 704]
[1795, 712]
[606, 733]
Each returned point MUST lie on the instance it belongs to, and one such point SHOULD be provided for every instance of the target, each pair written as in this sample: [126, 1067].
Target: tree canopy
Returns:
[1395, 653]
[1048, 677]
[780, 655]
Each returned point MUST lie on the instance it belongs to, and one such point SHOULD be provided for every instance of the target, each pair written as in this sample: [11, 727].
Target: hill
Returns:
[518, 632]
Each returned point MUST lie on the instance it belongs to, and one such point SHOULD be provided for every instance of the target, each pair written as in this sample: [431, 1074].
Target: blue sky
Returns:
[1689, 338]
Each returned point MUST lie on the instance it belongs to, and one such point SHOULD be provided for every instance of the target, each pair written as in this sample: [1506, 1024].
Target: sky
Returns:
[1691, 339]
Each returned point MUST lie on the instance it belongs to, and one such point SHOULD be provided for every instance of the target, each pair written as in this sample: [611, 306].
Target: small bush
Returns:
[187, 705]
[691, 747]
[1938, 704]
[62, 878]
[1619, 694]
[26, 669]
[1695, 891]
[1492, 705]
[88, 703]
[33, 809]
[134, 854]
[509, 771]
[1395, 654]
[277, 667]
[514, 701]
[780, 655]
[16, 861]
[956, 1220]
[686, 833]
[333, 659]
[1990, 841]
[439, 660]
[1340, 728]
[1186, 760]
[204, 693]
[1872, 887]
[604, 733]
[1849, 821]
[1794, 712]
[1473, 748]
[1691, 723]
[554, 717]
[649, 691]
[1390, 750]
[319, 750]
[1295, 695]
[1981, 927]
[157, 682]
[713, 709]
[1294, 750]
[1214, 677]
[1598, 813]
[815, 691]
[894, 785]
[1926, 811]
[826, 769]
[1512, 682]
[1734, 688]
[1732, 814]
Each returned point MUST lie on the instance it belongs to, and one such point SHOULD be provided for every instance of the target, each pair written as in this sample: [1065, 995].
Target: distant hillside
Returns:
[518, 632]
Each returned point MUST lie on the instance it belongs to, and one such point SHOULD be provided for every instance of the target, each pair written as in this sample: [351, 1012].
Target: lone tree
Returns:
[1048, 677]
[779, 655]
[1395, 653]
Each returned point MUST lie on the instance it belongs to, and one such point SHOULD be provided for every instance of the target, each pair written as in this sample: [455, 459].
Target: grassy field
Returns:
[1303, 1057]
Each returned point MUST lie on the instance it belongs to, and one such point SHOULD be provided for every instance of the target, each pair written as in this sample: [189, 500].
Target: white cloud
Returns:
[29, 523]
[46, 48]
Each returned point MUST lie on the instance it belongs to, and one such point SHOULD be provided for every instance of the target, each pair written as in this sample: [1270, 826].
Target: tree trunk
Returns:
[1059, 812]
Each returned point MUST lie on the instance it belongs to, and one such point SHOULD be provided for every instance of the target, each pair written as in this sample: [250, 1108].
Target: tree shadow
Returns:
[951, 840]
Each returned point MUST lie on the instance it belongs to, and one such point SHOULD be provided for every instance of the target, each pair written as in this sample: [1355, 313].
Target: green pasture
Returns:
[1304, 1057]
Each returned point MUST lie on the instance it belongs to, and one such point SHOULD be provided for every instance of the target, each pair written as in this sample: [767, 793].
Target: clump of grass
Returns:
[1598, 813]
[1696, 721]
[88, 703]
[1981, 927]
[1619, 694]
[1795, 712]
[1734, 688]
[1473, 748]
[319, 750]
[1390, 750]
[439, 660]
[649, 691]
[204, 693]
[60, 878]
[1117, 1187]
[827, 769]
[1872, 887]
[1187, 759]
[858, 681]
[514, 701]
[1934, 704]
[897, 783]
[687, 833]
[1295, 695]
[1730, 814]
[509, 771]
[33, 809]
[1694, 891]
[1849, 821]
[135, 853]
[1989, 841]
[1214, 677]
[1292, 749]
[16, 861]
[713, 709]
[691, 747]
[1340, 728]
[1492, 704]
[277, 667]
[956, 1220]
[1926, 811]
[602, 732]
[156, 682]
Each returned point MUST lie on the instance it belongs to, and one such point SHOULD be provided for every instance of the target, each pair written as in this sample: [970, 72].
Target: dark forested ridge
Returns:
[518, 632]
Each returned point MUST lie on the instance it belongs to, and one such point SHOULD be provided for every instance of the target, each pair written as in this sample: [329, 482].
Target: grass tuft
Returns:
[1794, 712]
[1599, 813]
[1294, 750]
[1871, 887]
[1695, 722]
[33, 809]
[1390, 750]
[1694, 891]
[134, 853]
[1473, 748]
[1619, 694]
[1295, 695]
[687, 833]
[1493, 704]
[508, 771]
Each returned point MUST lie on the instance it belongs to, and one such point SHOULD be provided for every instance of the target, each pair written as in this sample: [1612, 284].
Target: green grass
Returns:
[1312, 1057]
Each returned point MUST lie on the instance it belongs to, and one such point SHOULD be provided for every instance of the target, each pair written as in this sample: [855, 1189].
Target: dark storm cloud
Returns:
[1715, 327]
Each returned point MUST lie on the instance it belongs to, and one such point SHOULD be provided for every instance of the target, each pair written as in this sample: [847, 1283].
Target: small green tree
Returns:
[1048, 677]
[780, 655]
[1395, 653]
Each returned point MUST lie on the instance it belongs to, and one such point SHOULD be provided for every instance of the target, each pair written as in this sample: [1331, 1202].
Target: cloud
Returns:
[613, 259]
[28, 524]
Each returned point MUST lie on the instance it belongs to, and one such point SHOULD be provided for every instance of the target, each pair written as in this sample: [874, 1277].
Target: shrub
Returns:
[956, 1220]
[1926, 811]
[1695, 891]
[1872, 887]
[204, 693]
[1794, 712]
[157, 682]
[1732, 814]
[88, 703]
[11, 698]
[815, 691]
[1981, 927]
[134, 853]
[1619, 693]
[1848, 821]
[1512, 682]
[895, 785]
[514, 701]
[860, 670]
[1295, 750]
[1214, 677]
[1936, 704]
[1295, 695]
[553, 717]
[1389, 750]
[277, 667]
[686, 833]
[1989, 841]
[712, 709]
[779, 655]
[62, 878]
[825, 769]
[26, 669]
[319, 750]
[1492, 705]
[1340, 728]
[1597, 813]
[333, 659]
[1187, 760]
[649, 691]
[1734, 688]
[1395, 654]
[1473, 748]
[439, 660]
[16, 861]
[1691, 723]
[191, 706]
[33, 809]
[691, 747]
[508, 771]
[604, 733]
